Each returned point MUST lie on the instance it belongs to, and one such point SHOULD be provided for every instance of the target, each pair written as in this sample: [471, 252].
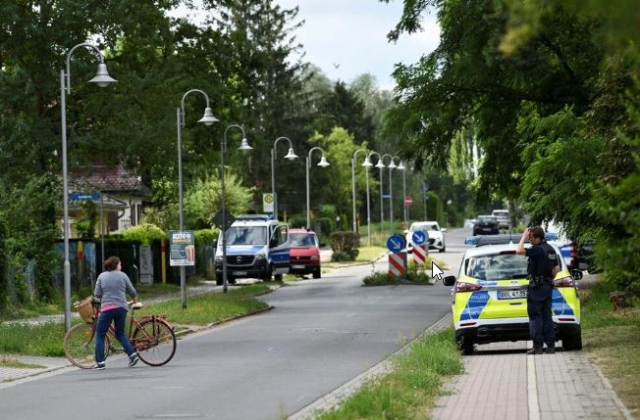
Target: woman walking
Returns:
[112, 287]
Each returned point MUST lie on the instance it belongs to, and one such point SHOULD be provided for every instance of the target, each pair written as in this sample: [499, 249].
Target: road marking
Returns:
[171, 416]
[351, 315]
[532, 389]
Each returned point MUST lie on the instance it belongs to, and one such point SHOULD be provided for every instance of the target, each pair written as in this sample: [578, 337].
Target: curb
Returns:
[333, 399]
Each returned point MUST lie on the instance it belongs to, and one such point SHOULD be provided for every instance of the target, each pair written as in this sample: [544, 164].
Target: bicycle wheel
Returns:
[80, 346]
[155, 342]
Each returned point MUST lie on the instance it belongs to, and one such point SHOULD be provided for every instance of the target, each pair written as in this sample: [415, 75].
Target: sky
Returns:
[347, 38]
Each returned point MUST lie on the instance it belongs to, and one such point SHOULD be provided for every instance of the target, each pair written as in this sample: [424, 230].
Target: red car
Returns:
[305, 253]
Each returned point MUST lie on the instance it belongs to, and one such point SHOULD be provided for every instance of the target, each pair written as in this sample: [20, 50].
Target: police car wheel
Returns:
[572, 342]
[467, 346]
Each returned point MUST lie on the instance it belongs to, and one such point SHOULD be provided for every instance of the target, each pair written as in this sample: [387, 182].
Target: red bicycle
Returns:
[152, 336]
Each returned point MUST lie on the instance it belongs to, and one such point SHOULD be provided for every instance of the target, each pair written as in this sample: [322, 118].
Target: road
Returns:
[320, 334]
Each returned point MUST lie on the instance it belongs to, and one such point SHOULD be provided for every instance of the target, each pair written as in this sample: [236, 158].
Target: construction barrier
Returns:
[420, 254]
[397, 264]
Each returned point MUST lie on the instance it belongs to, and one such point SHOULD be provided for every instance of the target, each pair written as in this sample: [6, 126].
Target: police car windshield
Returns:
[302, 239]
[247, 235]
[497, 267]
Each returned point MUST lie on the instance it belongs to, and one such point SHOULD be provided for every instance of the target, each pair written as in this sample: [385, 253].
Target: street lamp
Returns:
[403, 168]
[291, 155]
[367, 164]
[207, 119]
[392, 165]
[353, 184]
[323, 164]
[102, 79]
[244, 146]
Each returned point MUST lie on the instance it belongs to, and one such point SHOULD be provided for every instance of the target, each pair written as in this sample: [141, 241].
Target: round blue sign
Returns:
[396, 243]
[419, 237]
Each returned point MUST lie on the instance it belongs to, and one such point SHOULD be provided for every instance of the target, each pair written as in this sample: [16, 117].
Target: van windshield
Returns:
[247, 235]
[303, 239]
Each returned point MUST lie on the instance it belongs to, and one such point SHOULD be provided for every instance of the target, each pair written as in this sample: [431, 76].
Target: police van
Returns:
[257, 247]
[490, 296]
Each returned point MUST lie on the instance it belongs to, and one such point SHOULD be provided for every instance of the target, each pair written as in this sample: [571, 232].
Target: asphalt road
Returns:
[321, 334]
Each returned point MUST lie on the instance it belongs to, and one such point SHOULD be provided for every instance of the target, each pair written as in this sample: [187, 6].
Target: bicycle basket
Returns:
[85, 309]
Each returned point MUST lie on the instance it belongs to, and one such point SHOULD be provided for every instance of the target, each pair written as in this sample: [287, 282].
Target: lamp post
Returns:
[244, 146]
[323, 164]
[403, 168]
[207, 119]
[102, 79]
[391, 166]
[291, 155]
[353, 184]
[367, 164]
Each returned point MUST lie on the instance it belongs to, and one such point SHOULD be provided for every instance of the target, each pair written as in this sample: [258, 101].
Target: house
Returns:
[118, 196]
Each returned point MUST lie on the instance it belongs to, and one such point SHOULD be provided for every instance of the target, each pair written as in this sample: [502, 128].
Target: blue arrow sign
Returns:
[419, 237]
[396, 243]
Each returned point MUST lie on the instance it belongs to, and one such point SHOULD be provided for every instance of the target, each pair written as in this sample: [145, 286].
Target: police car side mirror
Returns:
[576, 274]
[443, 230]
[449, 280]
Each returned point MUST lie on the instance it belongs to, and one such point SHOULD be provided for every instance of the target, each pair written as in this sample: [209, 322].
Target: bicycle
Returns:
[153, 338]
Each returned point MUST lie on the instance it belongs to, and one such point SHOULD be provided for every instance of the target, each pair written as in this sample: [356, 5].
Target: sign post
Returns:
[397, 258]
[420, 247]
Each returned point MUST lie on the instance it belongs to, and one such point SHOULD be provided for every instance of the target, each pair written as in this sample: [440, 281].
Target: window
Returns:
[303, 239]
[246, 235]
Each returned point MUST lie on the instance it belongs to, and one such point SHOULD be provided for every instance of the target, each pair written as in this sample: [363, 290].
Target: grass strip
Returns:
[46, 339]
[16, 364]
[410, 391]
[612, 342]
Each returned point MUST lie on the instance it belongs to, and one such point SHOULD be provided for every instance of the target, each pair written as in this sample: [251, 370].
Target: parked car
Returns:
[434, 233]
[486, 225]
[504, 220]
[305, 253]
[490, 296]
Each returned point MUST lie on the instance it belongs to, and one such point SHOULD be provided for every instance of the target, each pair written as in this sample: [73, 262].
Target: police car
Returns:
[490, 296]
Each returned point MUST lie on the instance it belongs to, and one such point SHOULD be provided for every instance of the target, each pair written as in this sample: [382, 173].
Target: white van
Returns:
[504, 220]
[257, 247]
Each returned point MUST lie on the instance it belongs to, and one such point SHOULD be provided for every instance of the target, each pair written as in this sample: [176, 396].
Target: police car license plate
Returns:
[512, 294]
[297, 267]
[239, 273]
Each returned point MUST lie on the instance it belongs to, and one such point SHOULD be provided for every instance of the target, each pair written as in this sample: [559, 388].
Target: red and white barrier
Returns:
[397, 264]
[420, 254]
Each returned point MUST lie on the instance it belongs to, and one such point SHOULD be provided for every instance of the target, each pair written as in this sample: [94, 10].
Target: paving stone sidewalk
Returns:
[502, 382]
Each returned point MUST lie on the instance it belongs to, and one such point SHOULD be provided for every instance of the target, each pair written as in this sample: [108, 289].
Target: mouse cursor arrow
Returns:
[436, 272]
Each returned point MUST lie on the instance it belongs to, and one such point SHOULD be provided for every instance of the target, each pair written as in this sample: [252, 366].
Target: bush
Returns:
[206, 236]
[145, 233]
[345, 245]
[298, 221]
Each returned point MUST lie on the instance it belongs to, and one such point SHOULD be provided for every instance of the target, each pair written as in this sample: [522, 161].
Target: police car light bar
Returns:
[503, 239]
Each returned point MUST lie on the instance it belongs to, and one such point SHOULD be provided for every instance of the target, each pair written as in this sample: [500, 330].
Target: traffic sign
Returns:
[229, 219]
[419, 237]
[408, 200]
[81, 196]
[268, 202]
[386, 196]
[396, 243]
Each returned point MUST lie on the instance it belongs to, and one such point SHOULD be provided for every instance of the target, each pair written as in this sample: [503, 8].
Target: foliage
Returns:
[344, 245]
[144, 233]
[4, 285]
[206, 236]
[414, 275]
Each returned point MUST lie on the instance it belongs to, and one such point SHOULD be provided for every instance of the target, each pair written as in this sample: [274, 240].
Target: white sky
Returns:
[346, 38]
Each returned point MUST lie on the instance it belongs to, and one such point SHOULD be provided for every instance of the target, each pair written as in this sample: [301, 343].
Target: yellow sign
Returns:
[267, 202]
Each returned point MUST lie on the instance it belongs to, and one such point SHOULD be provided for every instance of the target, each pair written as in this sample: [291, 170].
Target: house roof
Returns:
[109, 180]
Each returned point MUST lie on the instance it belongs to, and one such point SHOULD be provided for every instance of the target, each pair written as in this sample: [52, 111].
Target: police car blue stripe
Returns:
[559, 304]
[475, 305]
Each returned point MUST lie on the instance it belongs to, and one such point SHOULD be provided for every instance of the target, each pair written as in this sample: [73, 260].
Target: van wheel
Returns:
[278, 277]
[317, 273]
[267, 276]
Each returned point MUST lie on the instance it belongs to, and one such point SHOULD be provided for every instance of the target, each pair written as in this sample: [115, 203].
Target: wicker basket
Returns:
[85, 309]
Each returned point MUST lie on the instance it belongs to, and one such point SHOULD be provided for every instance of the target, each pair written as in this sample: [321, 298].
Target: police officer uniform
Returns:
[542, 260]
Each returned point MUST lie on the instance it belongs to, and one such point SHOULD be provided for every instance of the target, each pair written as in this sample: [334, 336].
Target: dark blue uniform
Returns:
[542, 260]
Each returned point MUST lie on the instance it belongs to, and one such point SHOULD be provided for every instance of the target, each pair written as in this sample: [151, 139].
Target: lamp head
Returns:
[208, 118]
[244, 146]
[392, 165]
[291, 155]
[401, 167]
[380, 165]
[102, 78]
[323, 162]
[367, 162]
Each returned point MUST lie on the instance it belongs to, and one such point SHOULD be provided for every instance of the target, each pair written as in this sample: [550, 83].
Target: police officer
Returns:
[542, 268]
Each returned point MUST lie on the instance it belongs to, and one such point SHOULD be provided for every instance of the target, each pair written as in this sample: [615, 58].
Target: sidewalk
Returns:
[502, 382]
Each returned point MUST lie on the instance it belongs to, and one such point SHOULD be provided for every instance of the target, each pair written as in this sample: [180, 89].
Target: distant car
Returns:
[486, 225]
[304, 253]
[434, 233]
[490, 296]
[504, 220]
